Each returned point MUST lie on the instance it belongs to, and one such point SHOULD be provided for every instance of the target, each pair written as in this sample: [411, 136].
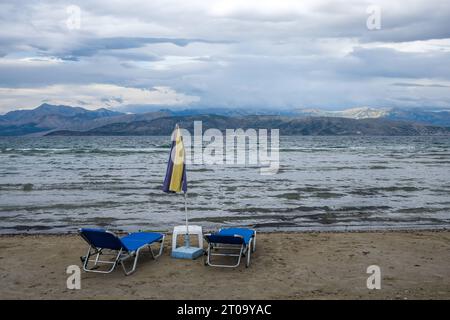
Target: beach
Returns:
[310, 265]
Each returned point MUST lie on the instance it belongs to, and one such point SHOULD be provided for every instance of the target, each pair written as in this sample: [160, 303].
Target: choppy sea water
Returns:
[59, 184]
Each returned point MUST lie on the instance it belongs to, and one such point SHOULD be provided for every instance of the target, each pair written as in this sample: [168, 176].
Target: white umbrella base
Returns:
[190, 253]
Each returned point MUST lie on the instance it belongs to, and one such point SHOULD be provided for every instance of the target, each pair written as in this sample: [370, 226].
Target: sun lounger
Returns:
[102, 242]
[229, 241]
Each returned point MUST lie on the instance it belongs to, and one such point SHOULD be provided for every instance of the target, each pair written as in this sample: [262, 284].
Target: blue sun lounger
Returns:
[225, 240]
[102, 242]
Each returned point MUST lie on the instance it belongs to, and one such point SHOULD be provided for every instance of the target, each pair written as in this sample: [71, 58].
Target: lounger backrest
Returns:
[215, 238]
[101, 238]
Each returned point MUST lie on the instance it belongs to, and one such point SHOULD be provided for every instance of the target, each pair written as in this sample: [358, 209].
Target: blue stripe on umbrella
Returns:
[166, 183]
[167, 179]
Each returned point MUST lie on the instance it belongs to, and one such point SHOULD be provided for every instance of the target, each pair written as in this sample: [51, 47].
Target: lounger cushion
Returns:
[217, 238]
[136, 240]
[101, 239]
[247, 234]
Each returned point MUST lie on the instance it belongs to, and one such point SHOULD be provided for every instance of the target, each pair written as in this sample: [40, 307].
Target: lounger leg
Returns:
[116, 261]
[209, 254]
[96, 261]
[85, 260]
[136, 256]
[249, 252]
[161, 247]
[254, 242]
[240, 256]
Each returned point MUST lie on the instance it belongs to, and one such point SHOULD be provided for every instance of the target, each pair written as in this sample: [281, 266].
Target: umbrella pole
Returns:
[186, 238]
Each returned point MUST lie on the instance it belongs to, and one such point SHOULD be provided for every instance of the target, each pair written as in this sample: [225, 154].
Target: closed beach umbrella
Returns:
[175, 180]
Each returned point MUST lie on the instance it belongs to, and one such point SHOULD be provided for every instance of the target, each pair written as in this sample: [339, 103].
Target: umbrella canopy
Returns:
[175, 180]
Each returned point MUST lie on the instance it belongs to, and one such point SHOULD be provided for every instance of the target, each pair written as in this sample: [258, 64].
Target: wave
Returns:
[71, 206]
[40, 151]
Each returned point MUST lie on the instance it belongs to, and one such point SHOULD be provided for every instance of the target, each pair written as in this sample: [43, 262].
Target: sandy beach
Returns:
[414, 265]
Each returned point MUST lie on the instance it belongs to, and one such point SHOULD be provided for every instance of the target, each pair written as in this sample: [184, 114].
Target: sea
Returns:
[60, 184]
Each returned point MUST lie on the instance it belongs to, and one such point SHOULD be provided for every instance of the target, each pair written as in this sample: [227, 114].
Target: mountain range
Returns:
[286, 125]
[47, 118]
[66, 120]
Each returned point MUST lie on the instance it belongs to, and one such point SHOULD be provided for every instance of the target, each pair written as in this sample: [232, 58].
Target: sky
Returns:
[269, 54]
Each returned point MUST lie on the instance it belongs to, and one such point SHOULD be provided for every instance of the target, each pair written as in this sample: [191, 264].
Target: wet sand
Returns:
[414, 265]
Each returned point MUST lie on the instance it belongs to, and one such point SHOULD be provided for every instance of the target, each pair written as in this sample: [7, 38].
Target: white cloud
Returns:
[92, 96]
[422, 46]
[262, 9]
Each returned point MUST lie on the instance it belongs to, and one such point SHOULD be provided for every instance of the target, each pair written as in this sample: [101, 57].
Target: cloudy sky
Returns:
[224, 53]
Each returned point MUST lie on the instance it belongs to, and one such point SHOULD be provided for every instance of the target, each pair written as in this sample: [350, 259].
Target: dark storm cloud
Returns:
[391, 63]
[93, 46]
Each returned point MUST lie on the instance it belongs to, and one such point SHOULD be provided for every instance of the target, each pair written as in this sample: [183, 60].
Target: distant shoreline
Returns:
[305, 126]
[281, 135]
[375, 230]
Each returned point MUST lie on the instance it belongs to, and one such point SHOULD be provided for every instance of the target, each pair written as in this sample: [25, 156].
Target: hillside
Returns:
[286, 125]
[47, 118]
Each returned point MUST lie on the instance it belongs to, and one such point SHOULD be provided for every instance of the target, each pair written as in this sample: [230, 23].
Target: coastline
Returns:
[286, 265]
[406, 229]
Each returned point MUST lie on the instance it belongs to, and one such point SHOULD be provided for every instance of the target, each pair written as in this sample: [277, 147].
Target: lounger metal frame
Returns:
[242, 248]
[120, 257]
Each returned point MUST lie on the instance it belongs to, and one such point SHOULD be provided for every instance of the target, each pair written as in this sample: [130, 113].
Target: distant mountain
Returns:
[430, 117]
[222, 111]
[438, 118]
[25, 129]
[286, 125]
[50, 117]
[31, 116]
[123, 118]
[234, 112]
[353, 113]
[72, 120]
